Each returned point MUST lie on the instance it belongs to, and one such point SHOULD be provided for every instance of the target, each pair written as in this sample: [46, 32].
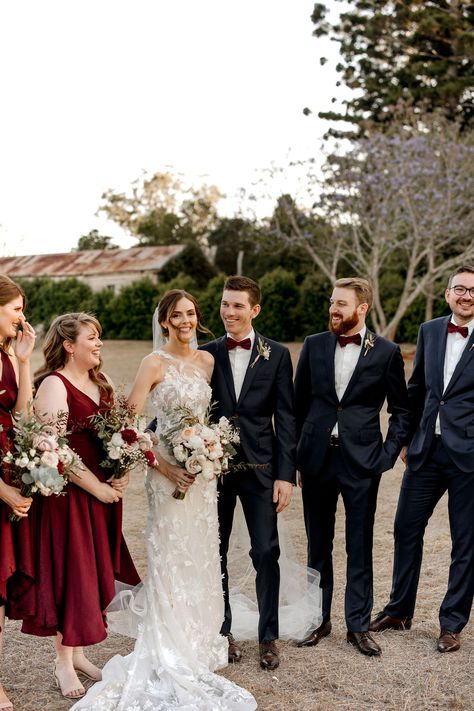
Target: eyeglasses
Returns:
[461, 290]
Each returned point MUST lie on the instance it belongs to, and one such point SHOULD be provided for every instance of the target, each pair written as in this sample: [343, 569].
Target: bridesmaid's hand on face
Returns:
[12, 497]
[119, 484]
[107, 494]
[25, 342]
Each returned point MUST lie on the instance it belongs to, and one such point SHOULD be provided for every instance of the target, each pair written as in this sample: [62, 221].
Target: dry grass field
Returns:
[410, 675]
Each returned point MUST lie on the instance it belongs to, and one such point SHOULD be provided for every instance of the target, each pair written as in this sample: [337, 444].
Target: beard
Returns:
[345, 325]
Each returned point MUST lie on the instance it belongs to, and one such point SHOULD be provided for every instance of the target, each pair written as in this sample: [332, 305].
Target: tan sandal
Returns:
[91, 672]
[76, 692]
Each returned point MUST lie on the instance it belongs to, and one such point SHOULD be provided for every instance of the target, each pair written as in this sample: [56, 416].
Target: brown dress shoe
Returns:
[448, 641]
[364, 643]
[384, 622]
[314, 637]
[269, 658]
[234, 653]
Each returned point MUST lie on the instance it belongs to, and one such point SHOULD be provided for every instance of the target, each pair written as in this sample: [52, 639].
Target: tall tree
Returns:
[94, 240]
[401, 199]
[161, 209]
[417, 51]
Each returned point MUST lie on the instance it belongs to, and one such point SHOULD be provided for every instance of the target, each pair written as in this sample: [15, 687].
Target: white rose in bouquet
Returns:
[193, 465]
[180, 453]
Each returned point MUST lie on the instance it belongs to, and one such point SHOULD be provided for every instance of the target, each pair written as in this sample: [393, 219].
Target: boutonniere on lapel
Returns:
[369, 342]
[263, 351]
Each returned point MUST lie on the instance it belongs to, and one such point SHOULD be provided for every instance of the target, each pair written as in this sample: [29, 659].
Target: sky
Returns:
[94, 92]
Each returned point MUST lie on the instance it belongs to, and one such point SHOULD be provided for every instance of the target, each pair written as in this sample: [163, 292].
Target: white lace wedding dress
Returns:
[177, 612]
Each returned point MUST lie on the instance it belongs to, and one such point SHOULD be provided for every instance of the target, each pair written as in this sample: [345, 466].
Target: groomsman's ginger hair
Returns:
[362, 287]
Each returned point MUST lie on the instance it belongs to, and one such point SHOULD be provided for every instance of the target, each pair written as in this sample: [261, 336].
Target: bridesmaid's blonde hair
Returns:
[66, 328]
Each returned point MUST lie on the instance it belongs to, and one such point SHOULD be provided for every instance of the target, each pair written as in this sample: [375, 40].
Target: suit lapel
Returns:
[364, 359]
[250, 372]
[329, 349]
[441, 355]
[462, 362]
[222, 357]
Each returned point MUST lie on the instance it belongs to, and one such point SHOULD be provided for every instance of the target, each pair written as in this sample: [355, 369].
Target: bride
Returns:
[176, 614]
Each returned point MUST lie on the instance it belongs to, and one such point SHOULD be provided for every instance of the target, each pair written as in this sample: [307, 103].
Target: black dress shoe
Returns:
[385, 622]
[314, 637]
[234, 652]
[269, 658]
[364, 643]
[448, 641]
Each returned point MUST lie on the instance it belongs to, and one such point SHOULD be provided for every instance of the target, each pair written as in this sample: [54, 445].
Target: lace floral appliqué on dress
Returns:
[177, 612]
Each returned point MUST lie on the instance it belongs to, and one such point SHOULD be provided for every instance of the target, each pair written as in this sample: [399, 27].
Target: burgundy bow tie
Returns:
[463, 330]
[344, 340]
[230, 344]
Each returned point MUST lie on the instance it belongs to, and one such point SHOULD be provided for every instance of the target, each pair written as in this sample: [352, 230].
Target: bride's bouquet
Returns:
[197, 444]
[41, 461]
[126, 443]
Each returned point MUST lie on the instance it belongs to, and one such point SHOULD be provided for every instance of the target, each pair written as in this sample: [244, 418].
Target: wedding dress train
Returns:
[176, 613]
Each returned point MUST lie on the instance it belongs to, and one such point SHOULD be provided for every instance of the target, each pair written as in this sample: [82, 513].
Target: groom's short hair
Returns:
[243, 283]
[363, 289]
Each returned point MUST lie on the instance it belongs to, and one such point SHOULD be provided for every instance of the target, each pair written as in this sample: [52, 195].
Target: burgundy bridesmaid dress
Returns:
[80, 547]
[16, 555]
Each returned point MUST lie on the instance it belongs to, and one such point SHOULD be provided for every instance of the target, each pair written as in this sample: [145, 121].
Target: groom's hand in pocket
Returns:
[282, 491]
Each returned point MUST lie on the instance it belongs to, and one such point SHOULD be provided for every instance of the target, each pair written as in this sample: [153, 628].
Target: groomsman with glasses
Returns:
[440, 458]
[343, 378]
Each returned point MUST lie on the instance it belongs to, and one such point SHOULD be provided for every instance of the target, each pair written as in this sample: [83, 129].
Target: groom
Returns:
[252, 384]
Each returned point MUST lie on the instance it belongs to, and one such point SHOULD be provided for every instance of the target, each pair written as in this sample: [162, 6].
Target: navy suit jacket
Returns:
[264, 411]
[427, 397]
[378, 375]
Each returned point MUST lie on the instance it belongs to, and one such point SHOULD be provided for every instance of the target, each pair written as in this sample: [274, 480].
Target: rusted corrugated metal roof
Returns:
[90, 262]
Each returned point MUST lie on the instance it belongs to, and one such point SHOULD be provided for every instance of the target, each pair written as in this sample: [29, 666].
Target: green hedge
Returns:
[290, 311]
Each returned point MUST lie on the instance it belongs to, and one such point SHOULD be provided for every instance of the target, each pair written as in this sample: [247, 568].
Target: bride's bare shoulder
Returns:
[206, 363]
[154, 363]
[206, 359]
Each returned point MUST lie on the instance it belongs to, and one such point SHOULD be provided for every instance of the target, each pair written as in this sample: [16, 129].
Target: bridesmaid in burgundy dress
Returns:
[80, 547]
[16, 559]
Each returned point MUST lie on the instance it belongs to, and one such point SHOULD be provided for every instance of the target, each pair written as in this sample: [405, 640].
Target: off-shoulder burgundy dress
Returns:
[80, 547]
[16, 556]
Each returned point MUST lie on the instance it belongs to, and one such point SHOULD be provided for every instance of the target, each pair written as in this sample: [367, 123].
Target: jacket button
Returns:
[339, 409]
[441, 402]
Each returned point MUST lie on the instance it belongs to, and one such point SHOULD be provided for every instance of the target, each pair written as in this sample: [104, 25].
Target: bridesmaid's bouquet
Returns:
[126, 443]
[198, 445]
[41, 461]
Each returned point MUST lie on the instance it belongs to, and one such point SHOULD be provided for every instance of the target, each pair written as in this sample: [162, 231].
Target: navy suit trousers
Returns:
[420, 492]
[320, 495]
[261, 518]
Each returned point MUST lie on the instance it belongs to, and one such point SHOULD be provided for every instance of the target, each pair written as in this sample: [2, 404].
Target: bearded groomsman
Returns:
[440, 458]
[343, 378]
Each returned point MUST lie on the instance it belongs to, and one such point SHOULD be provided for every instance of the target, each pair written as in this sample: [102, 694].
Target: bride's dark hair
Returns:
[168, 302]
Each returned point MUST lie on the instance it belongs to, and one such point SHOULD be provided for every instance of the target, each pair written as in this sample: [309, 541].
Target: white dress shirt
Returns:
[239, 362]
[455, 344]
[345, 361]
